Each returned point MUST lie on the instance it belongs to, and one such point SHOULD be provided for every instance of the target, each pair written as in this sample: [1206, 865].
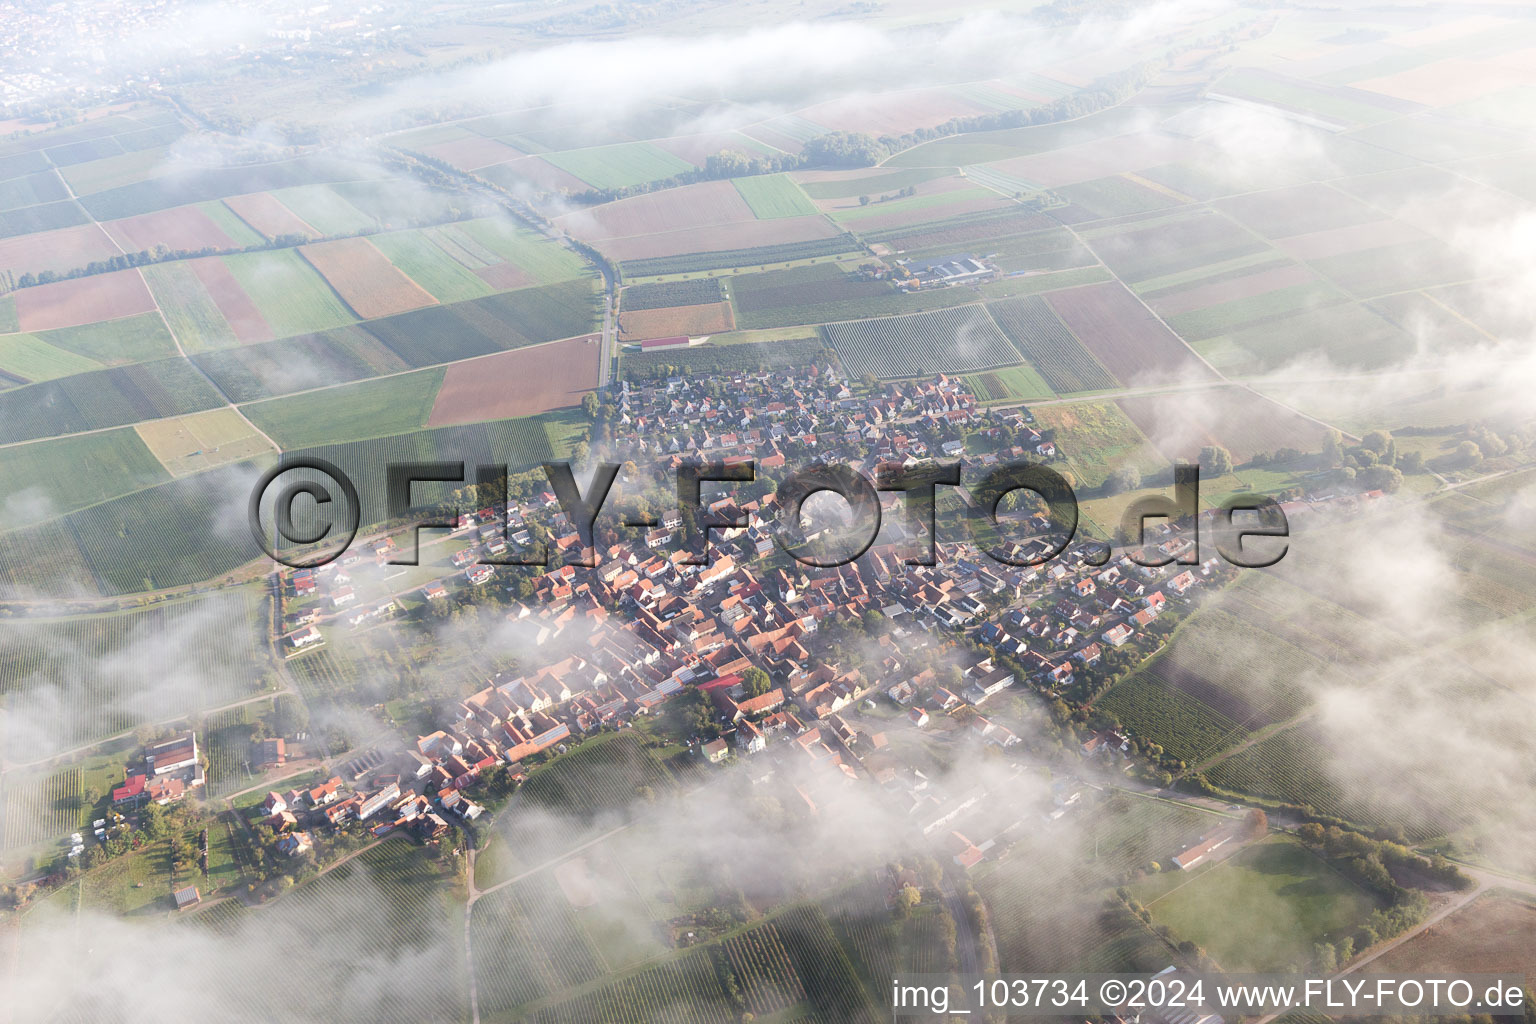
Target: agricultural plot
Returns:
[682, 991]
[621, 165]
[1185, 727]
[83, 300]
[59, 251]
[701, 291]
[1238, 420]
[1113, 196]
[189, 310]
[231, 300]
[828, 185]
[1265, 908]
[711, 358]
[1494, 934]
[431, 266]
[187, 228]
[133, 339]
[208, 183]
[546, 261]
[1010, 384]
[44, 217]
[287, 292]
[104, 398]
[40, 807]
[30, 190]
[1102, 441]
[690, 262]
[113, 171]
[528, 945]
[349, 412]
[959, 340]
[323, 209]
[522, 382]
[971, 231]
[263, 212]
[1348, 335]
[1298, 210]
[25, 358]
[1036, 284]
[1241, 670]
[54, 476]
[690, 321]
[495, 323]
[365, 279]
[1171, 244]
[1041, 338]
[1124, 336]
[1396, 268]
[820, 293]
[73, 681]
[925, 207]
[1233, 300]
[772, 196]
[205, 440]
[253, 372]
[1003, 144]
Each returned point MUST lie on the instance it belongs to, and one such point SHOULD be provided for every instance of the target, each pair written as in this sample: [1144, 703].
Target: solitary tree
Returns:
[1215, 460]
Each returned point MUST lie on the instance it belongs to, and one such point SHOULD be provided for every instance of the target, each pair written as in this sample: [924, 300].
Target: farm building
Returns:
[961, 269]
[187, 897]
[1200, 851]
[174, 754]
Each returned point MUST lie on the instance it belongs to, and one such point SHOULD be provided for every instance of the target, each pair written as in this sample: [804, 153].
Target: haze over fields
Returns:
[555, 774]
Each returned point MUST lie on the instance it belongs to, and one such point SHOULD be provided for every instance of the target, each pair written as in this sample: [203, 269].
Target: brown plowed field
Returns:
[238, 309]
[707, 204]
[83, 300]
[1124, 335]
[749, 235]
[471, 154]
[365, 278]
[185, 227]
[668, 321]
[263, 211]
[522, 382]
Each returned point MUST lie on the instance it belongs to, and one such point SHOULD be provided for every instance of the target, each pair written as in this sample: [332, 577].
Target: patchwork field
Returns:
[819, 293]
[59, 251]
[449, 275]
[263, 211]
[522, 382]
[253, 372]
[290, 296]
[185, 227]
[630, 163]
[773, 196]
[190, 311]
[54, 476]
[83, 300]
[365, 278]
[104, 398]
[26, 358]
[231, 300]
[958, 340]
[191, 444]
[1041, 338]
[760, 257]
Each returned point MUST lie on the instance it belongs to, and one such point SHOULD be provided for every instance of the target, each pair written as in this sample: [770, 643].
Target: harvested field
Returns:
[753, 234]
[185, 227]
[522, 382]
[236, 307]
[474, 152]
[1231, 289]
[191, 444]
[1318, 245]
[262, 211]
[1242, 422]
[707, 204]
[674, 320]
[58, 251]
[83, 300]
[1494, 935]
[365, 278]
[1123, 335]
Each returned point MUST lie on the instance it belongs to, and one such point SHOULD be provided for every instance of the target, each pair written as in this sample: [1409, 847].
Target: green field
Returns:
[617, 166]
[291, 296]
[1265, 908]
[1045, 341]
[698, 291]
[528, 316]
[1099, 439]
[774, 195]
[104, 398]
[113, 171]
[955, 340]
[548, 262]
[447, 279]
[324, 210]
[350, 412]
[51, 477]
[874, 184]
[32, 359]
[248, 373]
[188, 308]
[1009, 384]
[133, 339]
[239, 232]
[934, 201]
